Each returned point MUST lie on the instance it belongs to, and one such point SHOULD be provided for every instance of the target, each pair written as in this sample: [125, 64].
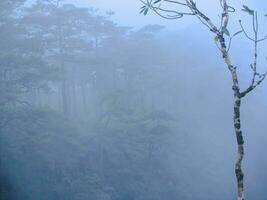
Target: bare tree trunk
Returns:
[64, 85]
[64, 93]
[84, 97]
[39, 98]
[240, 153]
[237, 123]
[73, 92]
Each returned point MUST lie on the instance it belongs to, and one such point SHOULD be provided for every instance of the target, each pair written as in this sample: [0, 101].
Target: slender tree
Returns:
[223, 40]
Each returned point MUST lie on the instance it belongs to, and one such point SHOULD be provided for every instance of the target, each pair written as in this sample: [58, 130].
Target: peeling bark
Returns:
[237, 120]
[240, 152]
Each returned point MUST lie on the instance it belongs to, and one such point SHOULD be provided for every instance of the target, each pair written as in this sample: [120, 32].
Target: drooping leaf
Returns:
[146, 11]
[216, 39]
[157, 1]
[142, 9]
[225, 31]
[238, 32]
[247, 10]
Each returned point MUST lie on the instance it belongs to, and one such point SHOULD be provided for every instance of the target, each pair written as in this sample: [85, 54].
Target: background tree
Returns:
[62, 29]
[222, 35]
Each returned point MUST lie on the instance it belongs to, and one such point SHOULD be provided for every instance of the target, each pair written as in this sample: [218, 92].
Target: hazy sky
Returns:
[127, 11]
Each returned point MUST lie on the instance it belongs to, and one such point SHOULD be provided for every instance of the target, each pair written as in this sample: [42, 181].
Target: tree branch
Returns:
[257, 78]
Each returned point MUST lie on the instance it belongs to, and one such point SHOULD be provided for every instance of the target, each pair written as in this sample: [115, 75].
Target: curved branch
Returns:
[246, 34]
[254, 83]
[176, 2]
[169, 14]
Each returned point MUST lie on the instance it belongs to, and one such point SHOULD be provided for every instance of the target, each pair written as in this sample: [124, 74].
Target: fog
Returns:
[99, 102]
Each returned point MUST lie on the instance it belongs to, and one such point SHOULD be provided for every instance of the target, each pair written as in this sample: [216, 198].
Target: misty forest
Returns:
[93, 107]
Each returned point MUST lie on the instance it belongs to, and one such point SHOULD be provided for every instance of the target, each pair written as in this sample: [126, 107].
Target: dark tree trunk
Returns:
[240, 143]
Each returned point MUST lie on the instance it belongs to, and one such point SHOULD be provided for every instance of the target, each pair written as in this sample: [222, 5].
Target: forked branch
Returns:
[162, 8]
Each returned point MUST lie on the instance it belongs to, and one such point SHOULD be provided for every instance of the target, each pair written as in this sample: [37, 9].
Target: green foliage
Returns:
[248, 10]
[144, 10]
[226, 31]
[216, 39]
[4, 195]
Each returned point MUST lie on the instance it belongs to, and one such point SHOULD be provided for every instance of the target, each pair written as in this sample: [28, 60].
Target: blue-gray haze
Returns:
[127, 106]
